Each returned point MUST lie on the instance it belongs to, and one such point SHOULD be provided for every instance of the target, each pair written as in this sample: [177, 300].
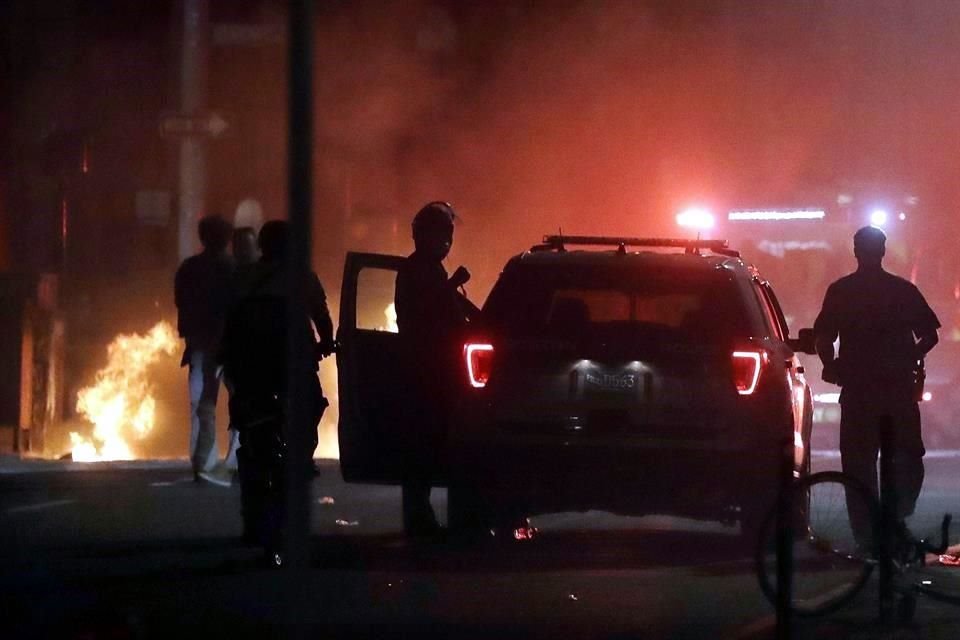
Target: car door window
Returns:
[771, 320]
[375, 291]
[371, 427]
[775, 304]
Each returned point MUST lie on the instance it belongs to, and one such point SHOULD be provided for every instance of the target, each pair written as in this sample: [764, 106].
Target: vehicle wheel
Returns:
[829, 567]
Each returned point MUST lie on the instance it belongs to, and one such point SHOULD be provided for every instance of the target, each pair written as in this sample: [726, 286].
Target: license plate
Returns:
[622, 382]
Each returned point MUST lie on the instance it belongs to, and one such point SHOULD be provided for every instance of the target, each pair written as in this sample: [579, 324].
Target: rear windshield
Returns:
[574, 302]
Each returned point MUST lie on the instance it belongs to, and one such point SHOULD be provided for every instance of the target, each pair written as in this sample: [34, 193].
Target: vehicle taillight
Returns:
[479, 357]
[746, 370]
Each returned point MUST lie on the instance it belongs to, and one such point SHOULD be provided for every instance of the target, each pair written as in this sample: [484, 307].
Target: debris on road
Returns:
[949, 560]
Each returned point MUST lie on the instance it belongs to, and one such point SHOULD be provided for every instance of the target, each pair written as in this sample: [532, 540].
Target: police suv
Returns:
[636, 376]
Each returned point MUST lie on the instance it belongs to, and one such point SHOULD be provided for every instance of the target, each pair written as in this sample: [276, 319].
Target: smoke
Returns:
[590, 117]
[610, 117]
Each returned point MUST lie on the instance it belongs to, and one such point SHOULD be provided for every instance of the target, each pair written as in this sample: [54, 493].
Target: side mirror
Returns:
[804, 342]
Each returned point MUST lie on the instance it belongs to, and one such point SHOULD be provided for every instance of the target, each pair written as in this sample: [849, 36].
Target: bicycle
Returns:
[831, 567]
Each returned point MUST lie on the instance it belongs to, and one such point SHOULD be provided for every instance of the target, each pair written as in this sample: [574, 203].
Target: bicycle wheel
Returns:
[829, 566]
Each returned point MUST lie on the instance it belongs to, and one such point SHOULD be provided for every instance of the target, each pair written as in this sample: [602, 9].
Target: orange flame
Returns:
[390, 313]
[120, 403]
[328, 445]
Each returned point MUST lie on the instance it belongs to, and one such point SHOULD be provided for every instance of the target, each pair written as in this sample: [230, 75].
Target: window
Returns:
[775, 303]
[579, 301]
[375, 310]
[771, 320]
[602, 306]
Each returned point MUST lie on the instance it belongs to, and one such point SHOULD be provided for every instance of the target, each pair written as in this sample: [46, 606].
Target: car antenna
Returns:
[560, 233]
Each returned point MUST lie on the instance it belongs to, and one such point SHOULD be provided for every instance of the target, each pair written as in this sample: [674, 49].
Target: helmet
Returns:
[434, 215]
[272, 239]
[433, 229]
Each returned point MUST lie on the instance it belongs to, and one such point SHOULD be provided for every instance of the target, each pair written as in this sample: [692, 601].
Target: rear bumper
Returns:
[641, 476]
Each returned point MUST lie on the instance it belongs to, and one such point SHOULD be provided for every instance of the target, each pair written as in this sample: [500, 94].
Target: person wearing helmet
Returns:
[431, 316]
[254, 358]
[885, 329]
[244, 251]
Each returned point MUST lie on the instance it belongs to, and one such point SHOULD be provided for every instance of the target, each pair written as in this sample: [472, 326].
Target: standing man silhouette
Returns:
[885, 328]
[431, 315]
[254, 357]
[245, 252]
[201, 291]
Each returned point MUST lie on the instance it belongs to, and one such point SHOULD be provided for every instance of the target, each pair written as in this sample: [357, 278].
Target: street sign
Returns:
[177, 125]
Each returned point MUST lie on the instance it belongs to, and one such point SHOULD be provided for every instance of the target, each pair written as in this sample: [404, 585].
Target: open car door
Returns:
[371, 428]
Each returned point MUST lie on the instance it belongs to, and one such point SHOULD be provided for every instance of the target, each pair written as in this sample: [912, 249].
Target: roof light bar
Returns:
[679, 243]
[802, 214]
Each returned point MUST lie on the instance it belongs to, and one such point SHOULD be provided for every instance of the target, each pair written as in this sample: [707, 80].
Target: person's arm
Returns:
[825, 349]
[179, 296]
[469, 310]
[925, 325]
[926, 342]
[826, 330]
[178, 287]
[459, 278]
[320, 315]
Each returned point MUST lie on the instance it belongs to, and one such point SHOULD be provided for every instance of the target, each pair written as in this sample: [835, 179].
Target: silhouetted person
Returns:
[885, 328]
[245, 252]
[243, 246]
[254, 355]
[431, 316]
[201, 291]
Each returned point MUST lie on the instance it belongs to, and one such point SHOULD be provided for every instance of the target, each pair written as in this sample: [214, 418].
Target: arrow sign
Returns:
[210, 125]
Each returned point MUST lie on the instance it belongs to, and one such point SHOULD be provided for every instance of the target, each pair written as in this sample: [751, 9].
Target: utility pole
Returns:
[193, 100]
[300, 348]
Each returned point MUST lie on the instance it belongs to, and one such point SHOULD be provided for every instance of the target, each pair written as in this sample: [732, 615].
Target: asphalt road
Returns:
[138, 550]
